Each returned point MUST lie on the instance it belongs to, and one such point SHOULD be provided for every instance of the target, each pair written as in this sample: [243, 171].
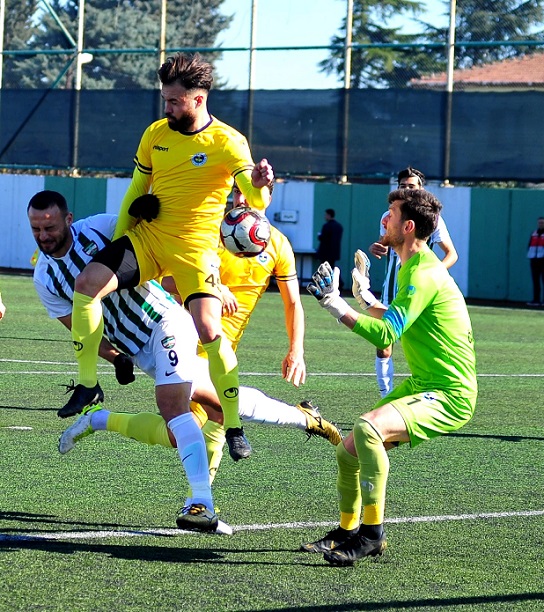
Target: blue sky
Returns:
[287, 23]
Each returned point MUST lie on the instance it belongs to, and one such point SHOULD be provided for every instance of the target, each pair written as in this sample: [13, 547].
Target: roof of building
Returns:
[523, 71]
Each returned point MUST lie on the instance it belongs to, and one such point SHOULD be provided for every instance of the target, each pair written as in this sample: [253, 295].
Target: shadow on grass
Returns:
[494, 437]
[25, 517]
[418, 604]
[28, 409]
[162, 554]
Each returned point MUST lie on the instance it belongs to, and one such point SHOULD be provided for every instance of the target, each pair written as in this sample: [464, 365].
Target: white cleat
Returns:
[76, 432]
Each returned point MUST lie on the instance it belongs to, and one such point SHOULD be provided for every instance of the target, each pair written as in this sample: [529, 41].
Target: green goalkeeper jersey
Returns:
[430, 317]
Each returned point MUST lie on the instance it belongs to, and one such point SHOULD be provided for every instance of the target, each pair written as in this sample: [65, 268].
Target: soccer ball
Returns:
[245, 232]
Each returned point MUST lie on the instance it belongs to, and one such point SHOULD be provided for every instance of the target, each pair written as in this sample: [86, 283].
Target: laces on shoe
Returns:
[70, 387]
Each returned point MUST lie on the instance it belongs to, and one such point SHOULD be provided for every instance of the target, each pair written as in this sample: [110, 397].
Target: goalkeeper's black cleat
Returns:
[316, 425]
[357, 547]
[330, 541]
[239, 447]
[81, 398]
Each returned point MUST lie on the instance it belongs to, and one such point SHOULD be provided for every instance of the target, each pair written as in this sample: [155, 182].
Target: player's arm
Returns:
[293, 365]
[124, 366]
[450, 253]
[2, 308]
[253, 182]
[138, 186]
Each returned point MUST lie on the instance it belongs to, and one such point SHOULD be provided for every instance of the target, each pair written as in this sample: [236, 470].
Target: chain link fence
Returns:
[396, 94]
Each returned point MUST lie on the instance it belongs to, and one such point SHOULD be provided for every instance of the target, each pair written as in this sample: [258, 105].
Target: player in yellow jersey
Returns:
[189, 161]
[245, 279]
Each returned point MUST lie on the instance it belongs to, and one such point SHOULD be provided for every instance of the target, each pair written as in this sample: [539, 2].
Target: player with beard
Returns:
[430, 317]
[189, 161]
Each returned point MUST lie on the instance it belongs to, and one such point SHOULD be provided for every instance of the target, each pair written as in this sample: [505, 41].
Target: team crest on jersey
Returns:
[91, 249]
[430, 397]
[199, 159]
[168, 342]
[263, 257]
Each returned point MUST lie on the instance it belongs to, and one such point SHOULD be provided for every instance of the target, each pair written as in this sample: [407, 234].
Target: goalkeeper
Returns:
[430, 317]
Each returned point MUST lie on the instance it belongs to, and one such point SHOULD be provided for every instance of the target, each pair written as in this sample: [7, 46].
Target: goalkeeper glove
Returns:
[146, 207]
[324, 287]
[361, 281]
[124, 369]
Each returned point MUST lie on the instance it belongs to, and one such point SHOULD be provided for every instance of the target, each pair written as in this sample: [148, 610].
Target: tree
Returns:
[120, 24]
[380, 65]
[489, 21]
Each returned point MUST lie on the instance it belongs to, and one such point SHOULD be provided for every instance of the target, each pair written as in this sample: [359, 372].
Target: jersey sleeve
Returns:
[141, 181]
[416, 289]
[285, 268]
[240, 164]
[54, 305]
[441, 233]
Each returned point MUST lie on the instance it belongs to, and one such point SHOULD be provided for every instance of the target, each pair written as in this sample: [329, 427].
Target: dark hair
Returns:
[187, 69]
[409, 172]
[419, 206]
[45, 199]
[330, 212]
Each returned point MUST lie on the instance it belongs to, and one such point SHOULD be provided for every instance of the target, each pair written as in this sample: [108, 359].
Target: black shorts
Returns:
[120, 258]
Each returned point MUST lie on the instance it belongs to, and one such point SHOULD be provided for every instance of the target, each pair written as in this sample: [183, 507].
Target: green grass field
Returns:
[95, 529]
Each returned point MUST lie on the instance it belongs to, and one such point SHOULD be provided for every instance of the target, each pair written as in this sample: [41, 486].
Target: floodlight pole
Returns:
[2, 19]
[162, 43]
[77, 86]
[347, 88]
[449, 94]
[252, 45]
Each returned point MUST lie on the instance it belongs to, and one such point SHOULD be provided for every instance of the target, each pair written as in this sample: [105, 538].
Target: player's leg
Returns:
[223, 369]
[384, 370]
[113, 267]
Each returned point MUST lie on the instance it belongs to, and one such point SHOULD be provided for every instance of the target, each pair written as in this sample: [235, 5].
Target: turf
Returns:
[94, 530]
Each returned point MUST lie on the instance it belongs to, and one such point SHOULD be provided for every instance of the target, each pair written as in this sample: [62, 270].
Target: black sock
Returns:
[371, 532]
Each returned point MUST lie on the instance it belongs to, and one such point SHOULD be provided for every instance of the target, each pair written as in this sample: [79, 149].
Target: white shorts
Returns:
[169, 356]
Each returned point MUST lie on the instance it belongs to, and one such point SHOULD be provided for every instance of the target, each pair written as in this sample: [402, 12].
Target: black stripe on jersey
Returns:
[286, 277]
[146, 307]
[143, 169]
[110, 306]
[243, 169]
[110, 332]
[51, 272]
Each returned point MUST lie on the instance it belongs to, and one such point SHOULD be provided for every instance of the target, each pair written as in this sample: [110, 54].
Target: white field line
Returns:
[96, 535]
[265, 374]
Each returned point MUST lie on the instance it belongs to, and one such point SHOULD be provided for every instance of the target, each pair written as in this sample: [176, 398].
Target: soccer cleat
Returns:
[197, 517]
[81, 398]
[316, 425]
[239, 447]
[357, 547]
[77, 431]
[329, 541]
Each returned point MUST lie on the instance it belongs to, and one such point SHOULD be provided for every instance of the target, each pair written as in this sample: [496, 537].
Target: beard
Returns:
[183, 124]
[392, 241]
[54, 246]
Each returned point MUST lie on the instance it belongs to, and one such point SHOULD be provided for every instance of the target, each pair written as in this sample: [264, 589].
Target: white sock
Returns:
[384, 374]
[99, 419]
[192, 452]
[256, 407]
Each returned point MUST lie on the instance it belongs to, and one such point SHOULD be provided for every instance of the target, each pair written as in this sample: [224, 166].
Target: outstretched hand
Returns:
[324, 287]
[361, 281]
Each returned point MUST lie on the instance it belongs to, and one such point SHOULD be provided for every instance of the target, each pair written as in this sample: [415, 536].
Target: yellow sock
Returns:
[214, 435]
[87, 331]
[143, 427]
[348, 487]
[374, 466]
[224, 375]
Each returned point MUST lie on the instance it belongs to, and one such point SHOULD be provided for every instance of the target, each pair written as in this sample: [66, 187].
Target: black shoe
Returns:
[239, 447]
[197, 517]
[330, 541]
[81, 398]
[357, 547]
